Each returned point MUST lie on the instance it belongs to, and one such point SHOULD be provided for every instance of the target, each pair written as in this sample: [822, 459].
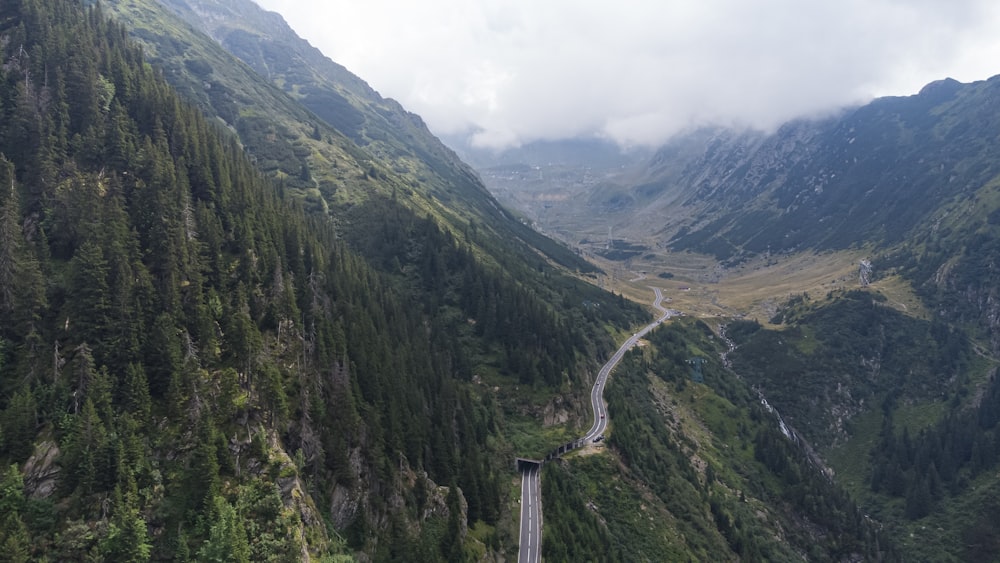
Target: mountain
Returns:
[196, 362]
[896, 393]
[317, 127]
[913, 180]
[877, 174]
[233, 327]
[885, 374]
[264, 41]
[873, 174]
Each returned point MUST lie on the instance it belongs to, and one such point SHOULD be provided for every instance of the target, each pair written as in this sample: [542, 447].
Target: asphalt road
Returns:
[530, 539]
[597, 393]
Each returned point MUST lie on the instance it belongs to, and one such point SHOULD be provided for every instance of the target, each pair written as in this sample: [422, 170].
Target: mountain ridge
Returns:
[897, 149]
[311, 157]
[873, 172]
[195, 363]
[267, 44]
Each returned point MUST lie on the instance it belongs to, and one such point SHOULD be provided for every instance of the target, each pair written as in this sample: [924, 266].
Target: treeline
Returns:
[175, 337]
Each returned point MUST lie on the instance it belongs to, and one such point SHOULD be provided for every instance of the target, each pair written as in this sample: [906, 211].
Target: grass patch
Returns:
[703, 287]
[806, 343]
[918, 416]
[530, 439]
[900, 295]
[849, 459]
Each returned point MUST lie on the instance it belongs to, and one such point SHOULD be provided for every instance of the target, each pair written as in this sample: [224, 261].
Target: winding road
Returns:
[530, 540]
[597, 393]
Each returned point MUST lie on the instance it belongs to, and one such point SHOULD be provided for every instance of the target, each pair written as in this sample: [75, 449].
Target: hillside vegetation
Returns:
[698, 469]
[903, 409]
[251, 310]
[195, 366]
[329, 138]
[889, 381]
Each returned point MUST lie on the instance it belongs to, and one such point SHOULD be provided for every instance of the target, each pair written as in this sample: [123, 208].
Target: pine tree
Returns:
[128, 537]
[18, 425]
[22, 297]
[88, 309]
[918, 499]
[15, 542]
[227, 539]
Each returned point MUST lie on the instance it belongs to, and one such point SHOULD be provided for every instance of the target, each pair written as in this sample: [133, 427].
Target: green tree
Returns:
[15, 542]
[88, 308]
[227, 538]
[18, 425]
[22, 291]
[128, 537]
[918, 499]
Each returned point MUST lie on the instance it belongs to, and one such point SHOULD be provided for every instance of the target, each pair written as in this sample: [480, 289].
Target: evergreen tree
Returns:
[227, 539]
[15, 542]
[18, 425]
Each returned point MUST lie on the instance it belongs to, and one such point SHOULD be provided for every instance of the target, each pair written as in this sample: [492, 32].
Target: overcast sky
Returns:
[637, 71]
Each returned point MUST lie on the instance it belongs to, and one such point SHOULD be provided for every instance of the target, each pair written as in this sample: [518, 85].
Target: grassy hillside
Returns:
[871, 175]
[903, 410]
[695, 468]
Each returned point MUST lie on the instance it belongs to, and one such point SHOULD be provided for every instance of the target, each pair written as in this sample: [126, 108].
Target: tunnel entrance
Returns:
[524, 464]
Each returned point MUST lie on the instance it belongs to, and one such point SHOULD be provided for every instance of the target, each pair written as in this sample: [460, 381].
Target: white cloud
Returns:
[640, 70]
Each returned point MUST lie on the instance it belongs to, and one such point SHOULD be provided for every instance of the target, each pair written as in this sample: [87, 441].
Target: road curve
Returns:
[530, 536]
[597, 393]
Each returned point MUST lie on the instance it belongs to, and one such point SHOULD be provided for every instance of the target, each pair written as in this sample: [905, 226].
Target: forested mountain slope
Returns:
[317, 127]
[230, 330]
[903, 410]
[380, 211]
[192, 366]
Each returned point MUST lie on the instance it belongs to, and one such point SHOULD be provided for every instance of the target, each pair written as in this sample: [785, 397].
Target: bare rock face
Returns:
[41, 474]
[556, 412]
[865, 273]
[345, 501]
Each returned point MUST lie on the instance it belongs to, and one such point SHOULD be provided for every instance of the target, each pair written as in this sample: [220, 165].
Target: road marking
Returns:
[530, 555]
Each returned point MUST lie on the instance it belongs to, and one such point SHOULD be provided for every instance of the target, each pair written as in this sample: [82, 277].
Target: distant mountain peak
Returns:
[941, 90]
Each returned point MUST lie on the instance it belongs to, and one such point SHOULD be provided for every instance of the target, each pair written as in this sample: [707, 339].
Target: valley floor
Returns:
[700, 286]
